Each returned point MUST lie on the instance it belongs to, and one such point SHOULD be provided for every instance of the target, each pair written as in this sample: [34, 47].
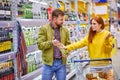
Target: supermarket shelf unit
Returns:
[32, 75]
[33, 22]
[11, 55]
[9, 25]
[32, 47]
[71, 74]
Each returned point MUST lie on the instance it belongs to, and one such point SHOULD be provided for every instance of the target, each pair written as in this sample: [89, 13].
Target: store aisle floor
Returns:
[116, 62]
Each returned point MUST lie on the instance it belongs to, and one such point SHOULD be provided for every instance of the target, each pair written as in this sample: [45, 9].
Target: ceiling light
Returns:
[44, 3]
[34, 1]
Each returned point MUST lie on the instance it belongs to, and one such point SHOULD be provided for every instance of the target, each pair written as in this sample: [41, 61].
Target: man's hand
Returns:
[61, 47]
[55, 42]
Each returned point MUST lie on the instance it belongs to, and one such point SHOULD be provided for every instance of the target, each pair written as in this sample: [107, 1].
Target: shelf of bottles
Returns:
[5, 10]
[8, 50]
[8, 38]
[7, 70]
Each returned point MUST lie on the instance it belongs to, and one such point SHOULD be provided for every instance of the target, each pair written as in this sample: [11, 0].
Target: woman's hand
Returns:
[62, 46]
[108, 36]
[108, 45]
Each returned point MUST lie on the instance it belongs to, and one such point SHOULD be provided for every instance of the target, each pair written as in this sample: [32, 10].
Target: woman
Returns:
[99, 42]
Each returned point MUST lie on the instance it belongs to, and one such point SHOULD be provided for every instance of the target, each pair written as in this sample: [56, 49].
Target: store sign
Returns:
[100, 1]
[100, 10]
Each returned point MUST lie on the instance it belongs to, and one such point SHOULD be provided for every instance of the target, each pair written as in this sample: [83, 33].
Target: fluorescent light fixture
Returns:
[118, 5]
[34, 1]
[44, 3]
[80, 0]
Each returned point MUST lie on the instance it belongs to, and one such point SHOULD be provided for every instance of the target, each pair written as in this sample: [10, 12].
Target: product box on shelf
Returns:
[30, 34]
[34, 60]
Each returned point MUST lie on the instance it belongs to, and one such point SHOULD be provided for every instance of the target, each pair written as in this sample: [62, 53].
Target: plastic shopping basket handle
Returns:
[104, 59]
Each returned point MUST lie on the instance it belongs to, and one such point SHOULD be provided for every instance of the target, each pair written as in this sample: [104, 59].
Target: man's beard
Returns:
[59, 25]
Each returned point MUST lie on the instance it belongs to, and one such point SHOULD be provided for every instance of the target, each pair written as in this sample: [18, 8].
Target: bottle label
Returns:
[2, 12]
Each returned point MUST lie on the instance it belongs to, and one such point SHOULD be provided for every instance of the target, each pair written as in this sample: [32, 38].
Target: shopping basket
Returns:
[87, 71]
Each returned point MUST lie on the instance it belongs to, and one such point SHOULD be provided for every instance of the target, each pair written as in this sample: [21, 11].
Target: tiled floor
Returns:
[116, 62]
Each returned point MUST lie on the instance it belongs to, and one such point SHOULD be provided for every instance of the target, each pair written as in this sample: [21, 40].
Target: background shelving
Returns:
[8, 45]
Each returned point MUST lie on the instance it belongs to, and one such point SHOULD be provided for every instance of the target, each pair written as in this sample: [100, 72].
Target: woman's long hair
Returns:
[92, 33]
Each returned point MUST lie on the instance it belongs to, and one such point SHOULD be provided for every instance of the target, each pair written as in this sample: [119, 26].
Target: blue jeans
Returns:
[57, 68]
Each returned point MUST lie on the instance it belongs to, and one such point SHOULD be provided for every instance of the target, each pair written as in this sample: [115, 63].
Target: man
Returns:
[48, 37]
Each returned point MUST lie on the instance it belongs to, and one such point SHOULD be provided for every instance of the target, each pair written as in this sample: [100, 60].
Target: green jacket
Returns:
[45, 36]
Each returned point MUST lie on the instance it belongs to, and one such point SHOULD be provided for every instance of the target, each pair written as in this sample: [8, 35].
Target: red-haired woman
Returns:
[100, 43]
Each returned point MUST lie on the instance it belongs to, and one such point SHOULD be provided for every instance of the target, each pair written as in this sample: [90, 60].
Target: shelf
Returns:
[75, 22]
[9, 39]
[41, 22]
[32, 48]
[32, 19]
[7, 56]
[7, 24]
[7, 69]
[38, 78]
[33, 22]
[83, 22]
[70, 22]
[71, 74]
[32, 75]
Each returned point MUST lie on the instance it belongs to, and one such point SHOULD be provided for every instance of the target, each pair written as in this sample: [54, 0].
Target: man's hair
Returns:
[57, 12]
